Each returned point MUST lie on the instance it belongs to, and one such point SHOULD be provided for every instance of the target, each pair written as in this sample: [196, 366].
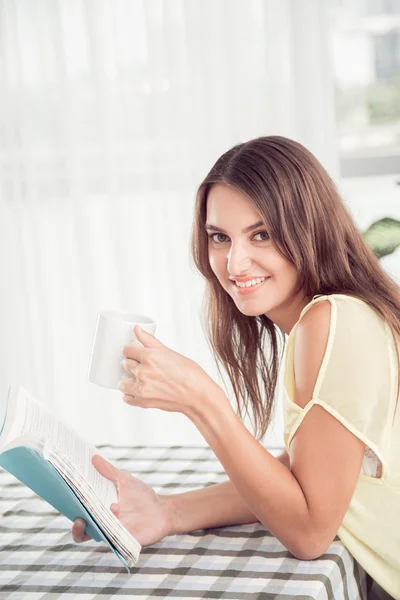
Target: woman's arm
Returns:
[213, 506]
[302, 507]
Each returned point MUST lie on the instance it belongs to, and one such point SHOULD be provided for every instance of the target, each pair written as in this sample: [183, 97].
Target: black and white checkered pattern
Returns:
[38, 559]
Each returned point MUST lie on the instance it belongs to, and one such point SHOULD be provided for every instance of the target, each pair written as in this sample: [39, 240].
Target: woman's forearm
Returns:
[270, 490]
[217, 505]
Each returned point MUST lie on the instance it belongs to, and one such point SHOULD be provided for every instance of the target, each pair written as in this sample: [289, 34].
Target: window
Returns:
[366, 61]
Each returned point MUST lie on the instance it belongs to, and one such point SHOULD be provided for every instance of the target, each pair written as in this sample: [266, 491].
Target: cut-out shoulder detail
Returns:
[351, 374]
[310, 347]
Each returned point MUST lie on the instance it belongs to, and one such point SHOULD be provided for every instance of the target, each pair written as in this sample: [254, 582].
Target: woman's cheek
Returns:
[214, 264]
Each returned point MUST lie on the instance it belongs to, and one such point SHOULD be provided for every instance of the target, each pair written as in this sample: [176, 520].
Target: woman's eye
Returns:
[264, 235]
[214, 237]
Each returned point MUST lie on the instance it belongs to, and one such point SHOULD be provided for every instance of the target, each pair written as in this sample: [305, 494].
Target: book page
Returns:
[14, 419]
[30, 418]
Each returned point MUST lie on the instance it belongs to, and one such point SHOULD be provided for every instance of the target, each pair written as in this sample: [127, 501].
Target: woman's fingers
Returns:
[78, 531]
[105, 468]
[129, 365]
[108, 470]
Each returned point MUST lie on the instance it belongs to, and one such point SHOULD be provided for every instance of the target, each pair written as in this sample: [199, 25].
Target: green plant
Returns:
[383, 236]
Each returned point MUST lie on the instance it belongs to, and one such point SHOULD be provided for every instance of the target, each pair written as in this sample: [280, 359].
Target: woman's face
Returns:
[240, 251]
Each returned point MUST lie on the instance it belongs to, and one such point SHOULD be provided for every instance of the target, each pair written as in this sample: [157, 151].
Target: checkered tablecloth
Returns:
[38, 558]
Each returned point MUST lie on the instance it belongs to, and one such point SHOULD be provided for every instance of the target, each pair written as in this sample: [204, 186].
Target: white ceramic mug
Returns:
[114, 329]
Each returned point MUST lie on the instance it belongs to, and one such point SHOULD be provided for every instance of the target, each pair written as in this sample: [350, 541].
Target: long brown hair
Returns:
[309, 224]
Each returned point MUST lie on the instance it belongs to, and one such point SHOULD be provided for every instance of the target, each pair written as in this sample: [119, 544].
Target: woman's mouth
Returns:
[251, 288]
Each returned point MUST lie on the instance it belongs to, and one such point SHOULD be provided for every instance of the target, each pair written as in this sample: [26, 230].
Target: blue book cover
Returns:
[33, 444]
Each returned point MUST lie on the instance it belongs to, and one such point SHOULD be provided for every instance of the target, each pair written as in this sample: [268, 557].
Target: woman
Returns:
[282, 257]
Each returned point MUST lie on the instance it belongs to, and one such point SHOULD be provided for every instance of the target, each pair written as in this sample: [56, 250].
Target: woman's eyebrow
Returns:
[210, 227]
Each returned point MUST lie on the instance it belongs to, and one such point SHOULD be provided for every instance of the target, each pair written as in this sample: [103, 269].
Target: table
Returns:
[38, 559]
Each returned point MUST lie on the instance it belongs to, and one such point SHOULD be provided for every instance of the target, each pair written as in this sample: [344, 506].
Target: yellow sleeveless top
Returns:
[357, 384]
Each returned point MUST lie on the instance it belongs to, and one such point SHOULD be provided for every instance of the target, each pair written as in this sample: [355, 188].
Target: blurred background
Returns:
[111, 114]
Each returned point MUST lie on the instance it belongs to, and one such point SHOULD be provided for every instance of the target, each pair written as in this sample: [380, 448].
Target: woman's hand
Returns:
[144, 513]
[161, 378]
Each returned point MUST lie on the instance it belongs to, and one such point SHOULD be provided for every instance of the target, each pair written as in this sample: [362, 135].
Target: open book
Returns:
[55, 462]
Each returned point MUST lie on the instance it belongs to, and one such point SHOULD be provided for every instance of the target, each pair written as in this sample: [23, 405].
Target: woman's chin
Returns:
[249, 311]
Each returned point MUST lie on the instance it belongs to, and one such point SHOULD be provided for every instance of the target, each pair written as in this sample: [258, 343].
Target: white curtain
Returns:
[112, 112]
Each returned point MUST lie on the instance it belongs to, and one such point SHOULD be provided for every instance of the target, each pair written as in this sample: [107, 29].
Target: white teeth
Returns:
[249, 283]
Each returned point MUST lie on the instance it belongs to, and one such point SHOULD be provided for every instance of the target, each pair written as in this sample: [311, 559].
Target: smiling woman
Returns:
[246, 255]
[341, 313]
[283, 262]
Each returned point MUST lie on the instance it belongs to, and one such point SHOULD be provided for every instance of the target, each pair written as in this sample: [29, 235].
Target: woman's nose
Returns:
[238, 262]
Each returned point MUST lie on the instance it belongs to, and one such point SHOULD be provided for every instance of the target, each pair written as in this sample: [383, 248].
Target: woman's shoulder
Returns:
[348, 303]
[345, 299]
[347, 311]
